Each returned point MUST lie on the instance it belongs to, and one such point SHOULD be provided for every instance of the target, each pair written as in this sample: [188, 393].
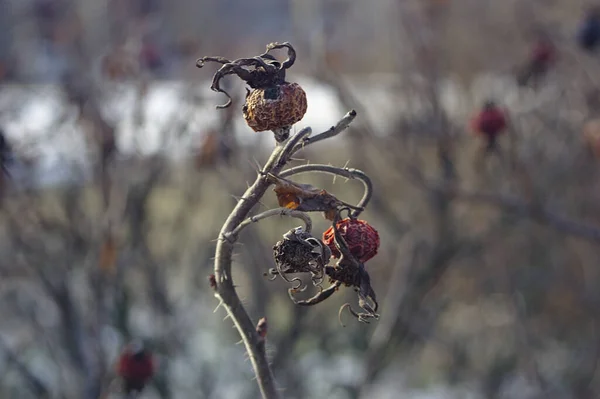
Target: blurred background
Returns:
[119, 173]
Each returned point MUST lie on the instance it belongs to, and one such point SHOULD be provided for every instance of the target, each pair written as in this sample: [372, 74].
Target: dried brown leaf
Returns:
[305, 197]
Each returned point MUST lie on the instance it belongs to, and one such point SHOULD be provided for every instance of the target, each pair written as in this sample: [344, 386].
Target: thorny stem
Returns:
[225, 290]
[276, 212]
[333, 131]
[348, 173]
[288, 148]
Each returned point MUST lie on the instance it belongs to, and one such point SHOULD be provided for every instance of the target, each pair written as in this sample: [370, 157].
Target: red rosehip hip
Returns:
[362, 239]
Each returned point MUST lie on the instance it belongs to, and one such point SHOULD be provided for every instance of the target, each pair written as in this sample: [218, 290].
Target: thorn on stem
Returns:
[228, 237]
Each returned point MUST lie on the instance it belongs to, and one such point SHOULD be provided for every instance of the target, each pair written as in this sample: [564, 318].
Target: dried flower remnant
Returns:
[273, 103]
[349, 271]
[300, 252]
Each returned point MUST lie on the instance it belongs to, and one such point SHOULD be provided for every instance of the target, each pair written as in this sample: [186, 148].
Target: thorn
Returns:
[256, 165]
[228, 237]
[261, 204]
[346, 168]
[238, 198]
[218, 306]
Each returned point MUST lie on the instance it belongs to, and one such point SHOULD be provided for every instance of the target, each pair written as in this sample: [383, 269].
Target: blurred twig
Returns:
[38, 387]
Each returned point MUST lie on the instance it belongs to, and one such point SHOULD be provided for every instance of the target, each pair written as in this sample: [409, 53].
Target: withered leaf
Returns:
[304, 197]
[288, 200]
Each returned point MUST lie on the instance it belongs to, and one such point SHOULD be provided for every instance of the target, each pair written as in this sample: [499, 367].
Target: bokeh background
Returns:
[124, 171]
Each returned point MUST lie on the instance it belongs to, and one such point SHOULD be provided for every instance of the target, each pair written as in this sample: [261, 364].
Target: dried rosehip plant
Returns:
[275, 104]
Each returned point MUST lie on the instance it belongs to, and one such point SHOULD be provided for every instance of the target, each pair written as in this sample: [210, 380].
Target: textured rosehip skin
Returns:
[362, 239]
[288, 108]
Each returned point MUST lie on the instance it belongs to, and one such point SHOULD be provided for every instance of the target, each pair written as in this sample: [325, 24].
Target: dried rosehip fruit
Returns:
[275, 107]
[362, 239]
[273, 103]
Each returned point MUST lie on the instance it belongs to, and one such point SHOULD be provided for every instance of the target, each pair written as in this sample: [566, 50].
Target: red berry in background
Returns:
[491, 120]
[136, 367]
[543, 52]
[362, 239]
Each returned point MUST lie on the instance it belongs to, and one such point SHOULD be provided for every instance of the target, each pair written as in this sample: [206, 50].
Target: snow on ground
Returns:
[36, 119]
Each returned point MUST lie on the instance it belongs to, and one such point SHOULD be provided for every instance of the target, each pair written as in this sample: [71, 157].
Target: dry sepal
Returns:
[299, 252]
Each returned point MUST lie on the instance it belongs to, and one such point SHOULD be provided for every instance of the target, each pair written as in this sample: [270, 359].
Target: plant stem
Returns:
[237, 220]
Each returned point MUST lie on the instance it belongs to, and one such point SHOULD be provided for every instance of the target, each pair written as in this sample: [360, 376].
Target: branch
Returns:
[333, 131]
[532, 209]
[37, 385]
[289, 148]
[538, 213]
[348, 173]
[275, 212]
[225, 290]
[224, 287]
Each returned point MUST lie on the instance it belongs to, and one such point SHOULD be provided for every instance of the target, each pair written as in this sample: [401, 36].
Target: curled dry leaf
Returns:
[305, 197]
